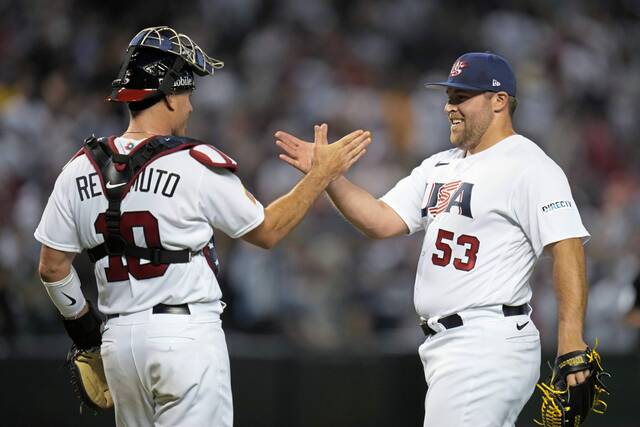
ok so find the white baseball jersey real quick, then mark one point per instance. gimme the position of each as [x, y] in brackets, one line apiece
[487, 218]
[176, 200]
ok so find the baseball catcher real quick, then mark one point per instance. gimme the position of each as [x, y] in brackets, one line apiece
[565, 405]
[157, 198]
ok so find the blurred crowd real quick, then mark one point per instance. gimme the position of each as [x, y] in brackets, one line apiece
[290, 64]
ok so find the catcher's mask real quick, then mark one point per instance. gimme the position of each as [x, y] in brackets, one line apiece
[159, 61]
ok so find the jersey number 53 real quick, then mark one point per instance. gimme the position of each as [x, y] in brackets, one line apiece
[443, 245]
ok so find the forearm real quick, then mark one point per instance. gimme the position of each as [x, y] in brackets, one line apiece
[61, 282]
[286, 212]
[571, 290]
[368, 214]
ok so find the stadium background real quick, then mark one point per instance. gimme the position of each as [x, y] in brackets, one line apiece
[321, 329]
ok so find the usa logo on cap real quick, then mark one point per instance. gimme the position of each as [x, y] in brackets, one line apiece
[481, 71]
[456, 70]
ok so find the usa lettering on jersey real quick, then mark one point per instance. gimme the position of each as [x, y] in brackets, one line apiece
[443, 197]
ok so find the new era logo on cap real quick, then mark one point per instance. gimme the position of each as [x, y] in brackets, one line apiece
[481, 71]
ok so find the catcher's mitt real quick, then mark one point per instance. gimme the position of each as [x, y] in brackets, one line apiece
[88, 379]
[564, 405]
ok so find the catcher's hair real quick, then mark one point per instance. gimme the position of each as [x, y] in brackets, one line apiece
[135, 110]
[136, 107]
[513, 104]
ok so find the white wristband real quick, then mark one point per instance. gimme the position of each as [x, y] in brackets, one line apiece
[66, 294]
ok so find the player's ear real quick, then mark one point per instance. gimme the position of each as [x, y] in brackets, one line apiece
[500, 102]
[170, 101]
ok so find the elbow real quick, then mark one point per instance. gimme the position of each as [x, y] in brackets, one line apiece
[50, 272]
[54, 265]
[374, 234]
[264, 237]
[371, 234]
[379, 237]
[267, 243]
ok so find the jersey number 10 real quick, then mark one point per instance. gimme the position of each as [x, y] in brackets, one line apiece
[144, 220]
[471, 243]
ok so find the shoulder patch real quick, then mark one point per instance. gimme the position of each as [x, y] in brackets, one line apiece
[212, 157]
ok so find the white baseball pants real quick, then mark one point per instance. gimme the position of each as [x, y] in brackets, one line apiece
[169, 369]
[482, 373]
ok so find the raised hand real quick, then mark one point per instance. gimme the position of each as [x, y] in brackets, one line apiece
[332, 160]
[298, 153]
[302, 154]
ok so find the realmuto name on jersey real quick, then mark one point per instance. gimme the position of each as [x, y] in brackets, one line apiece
[150, 180]
[445, 196]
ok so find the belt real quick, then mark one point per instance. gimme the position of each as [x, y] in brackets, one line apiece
[454, 320]
[163, 309]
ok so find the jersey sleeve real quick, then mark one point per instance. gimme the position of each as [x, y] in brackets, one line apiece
[57, 228]
[227, 205]
[544, 207]
[405, 198]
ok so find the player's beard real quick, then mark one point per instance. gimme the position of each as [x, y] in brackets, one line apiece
[473, 130]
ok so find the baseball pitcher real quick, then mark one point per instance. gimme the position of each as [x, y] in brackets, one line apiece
[489, 208]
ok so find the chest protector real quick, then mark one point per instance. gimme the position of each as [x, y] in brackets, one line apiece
[117, 174]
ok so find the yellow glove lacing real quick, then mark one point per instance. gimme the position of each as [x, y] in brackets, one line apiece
[598, 405]
[553, 413]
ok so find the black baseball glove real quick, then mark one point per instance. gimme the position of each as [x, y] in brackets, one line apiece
[564, 405]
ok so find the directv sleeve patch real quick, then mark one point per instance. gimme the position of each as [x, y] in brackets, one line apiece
[563, 204]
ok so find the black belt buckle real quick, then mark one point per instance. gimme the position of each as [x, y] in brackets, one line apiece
[162, 309]
[171, 309]
[517, 310]
[425, 328]
[454, 320]
[448, 322]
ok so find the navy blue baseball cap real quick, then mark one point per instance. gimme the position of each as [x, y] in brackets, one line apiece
[481, 71]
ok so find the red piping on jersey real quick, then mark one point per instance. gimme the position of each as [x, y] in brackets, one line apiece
[206, 160]
[95, 167]
[112, 146]
[79, 153]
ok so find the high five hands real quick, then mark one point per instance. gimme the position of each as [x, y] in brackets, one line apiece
[328, 159]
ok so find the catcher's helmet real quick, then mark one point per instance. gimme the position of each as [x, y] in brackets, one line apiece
[158, 61]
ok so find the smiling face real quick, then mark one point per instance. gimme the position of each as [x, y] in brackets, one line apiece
[470, 114]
